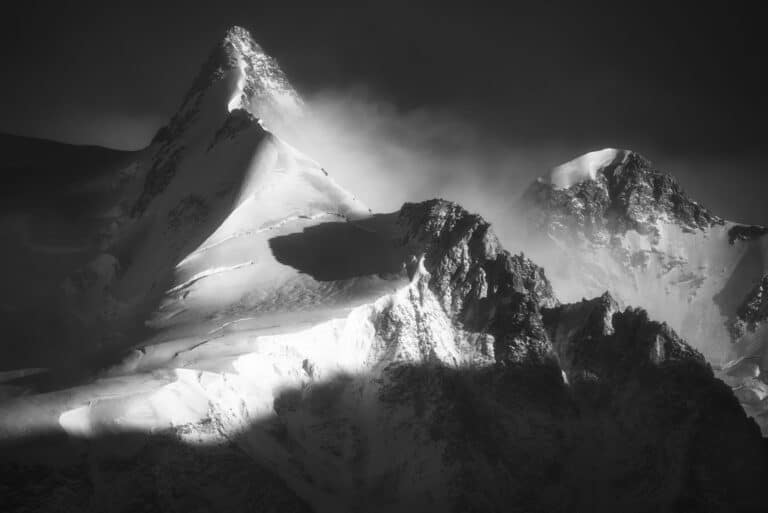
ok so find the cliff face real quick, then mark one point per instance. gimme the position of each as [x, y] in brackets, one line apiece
[468, 387]
[583, 389]
[631, 229]
[485, 287]
[277, 346]
[628, 194]
[754, 310]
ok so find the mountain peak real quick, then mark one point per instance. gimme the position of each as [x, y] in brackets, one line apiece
[238, 74]
[585, 167]
[236, 32]
[611, 191]
[262, 87]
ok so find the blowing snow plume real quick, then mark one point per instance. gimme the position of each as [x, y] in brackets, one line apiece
[389, 156]
[270, 342]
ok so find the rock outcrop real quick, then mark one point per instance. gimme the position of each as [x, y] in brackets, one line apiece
[631, 229]
[627, 194]
[282, 348]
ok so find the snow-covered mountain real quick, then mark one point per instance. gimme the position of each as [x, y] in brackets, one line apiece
[266, 342]
[609, 220]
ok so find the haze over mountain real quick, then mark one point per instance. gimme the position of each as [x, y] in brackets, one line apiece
[223, 326]
[468, 105]
[609, 220]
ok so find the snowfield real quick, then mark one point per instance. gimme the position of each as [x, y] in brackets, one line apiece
[246, 335]
[254, 275]
[607, 230]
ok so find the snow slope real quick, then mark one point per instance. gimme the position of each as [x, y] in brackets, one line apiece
[632, 231]
[390, 362]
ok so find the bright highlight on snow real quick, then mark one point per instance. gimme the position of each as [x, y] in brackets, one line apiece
[389, 362]
[584, 168]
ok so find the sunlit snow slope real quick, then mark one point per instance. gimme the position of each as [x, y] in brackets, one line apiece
[609, 221]
[242, 311]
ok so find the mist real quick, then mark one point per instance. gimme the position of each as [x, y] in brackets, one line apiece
[387, 156]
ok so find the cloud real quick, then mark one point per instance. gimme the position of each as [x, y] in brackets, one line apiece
[387, 156]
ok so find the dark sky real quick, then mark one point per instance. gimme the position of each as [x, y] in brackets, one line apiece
[680, 85]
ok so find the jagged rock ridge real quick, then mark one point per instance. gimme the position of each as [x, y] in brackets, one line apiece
[628, 194]
[359, 362]
[749, 322]
[632, 230]
[487, 288]
[261, 87]
[469, 368]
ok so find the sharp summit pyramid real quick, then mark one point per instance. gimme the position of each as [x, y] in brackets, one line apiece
[243, 334]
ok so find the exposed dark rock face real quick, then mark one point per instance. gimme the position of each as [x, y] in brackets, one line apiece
[631, 229]
[262, 76]
[223, 57]
[240, 58]
[753, 312]
[582, 408]
[601, 392]
[160, 175]
[744, 232]
[629, 371]
[468, 388]
[627, 195]
[237, 121]
[484, 286]
[593, 338]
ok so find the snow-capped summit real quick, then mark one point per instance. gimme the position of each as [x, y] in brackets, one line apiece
[584, 167]
[609, 192]
[262, 88]
[238, 75]
[610, 220]
[201, 203]
[265, 342]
